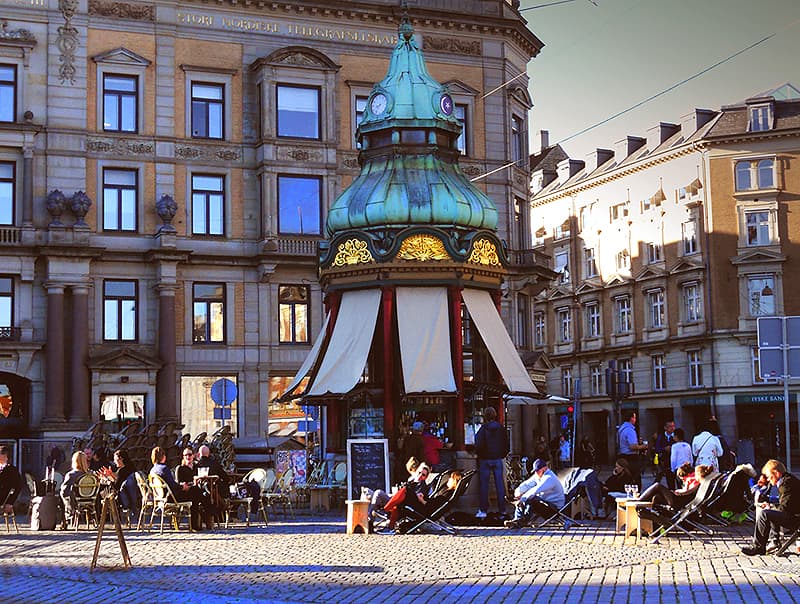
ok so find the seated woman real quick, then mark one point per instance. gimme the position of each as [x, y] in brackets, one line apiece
[122, 480]
[80, 466]
[661, 495]
[614, 486]
[380, 497]
[414, 493]
[186, 471]
[184, 492]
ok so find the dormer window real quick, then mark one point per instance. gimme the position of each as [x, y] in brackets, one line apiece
[760, 118]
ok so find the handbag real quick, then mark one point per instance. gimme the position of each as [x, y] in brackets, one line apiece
[396, 500]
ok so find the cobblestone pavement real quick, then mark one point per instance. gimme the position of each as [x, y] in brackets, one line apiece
[312, 560]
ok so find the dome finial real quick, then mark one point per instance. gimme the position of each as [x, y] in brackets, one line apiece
[406, 30]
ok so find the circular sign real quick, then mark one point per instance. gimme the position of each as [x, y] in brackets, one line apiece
[224, 392]
[378, 104]
[446, 104]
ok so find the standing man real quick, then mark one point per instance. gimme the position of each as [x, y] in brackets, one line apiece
[9, 480]
[629, 446]
[771, 518]
[542, 488]
[663, 448]
[491, 447]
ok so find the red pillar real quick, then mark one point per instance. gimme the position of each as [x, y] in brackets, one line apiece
[332, 409]
[387, 302]
[457, 347]
[501, 411]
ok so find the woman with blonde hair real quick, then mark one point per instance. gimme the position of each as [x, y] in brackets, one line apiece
[80, 466]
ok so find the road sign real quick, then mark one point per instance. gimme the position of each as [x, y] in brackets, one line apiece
[224, 392]
[222, 412]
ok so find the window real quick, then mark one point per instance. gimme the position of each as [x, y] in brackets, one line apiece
[293, 308]
[655, 305]
[564, 325]
[622, 307]
[566, 382]
[659, 372]
[208, 204]
[119, 311]
[208, 309]
[592, 320]
[8, 93]
[119, 103]
[691, 303]
[618, 212]
[520, 210]
[119, 200]
[539, 333]
[761, 295]
[590, 262]
[460, 112]
[208, 110]
[755, 174]
[199, 412]
[298, 112]
[625, 367]
[596, 379]
[623, 260]
[760, 118]
[562, 266]
[539, 235]
[359, 107]
[7, 192]
[299, 205]
[562, 230]
[6, 308]
[689, 237]
[523, 321]
[517, 144]
[654, 253]
[757, 225]
[695, 362]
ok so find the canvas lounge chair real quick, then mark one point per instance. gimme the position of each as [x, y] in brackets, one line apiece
[415, 520]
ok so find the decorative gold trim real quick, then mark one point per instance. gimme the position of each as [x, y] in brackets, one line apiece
[352, 251]
[484, 252]
[423, 248]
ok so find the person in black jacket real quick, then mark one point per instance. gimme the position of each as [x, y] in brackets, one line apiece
[771, 518]
[9, 480]
[491, 448]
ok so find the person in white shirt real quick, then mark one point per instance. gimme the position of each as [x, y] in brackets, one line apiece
[706, 448]
[680, 451]
[542, 486]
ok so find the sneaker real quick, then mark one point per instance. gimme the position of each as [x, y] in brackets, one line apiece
[512, 524]
[480, 514]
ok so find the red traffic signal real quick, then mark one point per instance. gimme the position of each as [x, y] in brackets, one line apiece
[570, 409]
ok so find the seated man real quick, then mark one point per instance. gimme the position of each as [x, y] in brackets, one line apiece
[531, 495]
[10, 481]
[770, 518]
[184, 492]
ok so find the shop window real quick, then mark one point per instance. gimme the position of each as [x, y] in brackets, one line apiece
[298, 112]
[199, 412]
[119, 311]
[208, 204]
[299, 205]
[208, 110]
[120, 194]
[7, 192]
[8, 93]
[120, 103]
[208, 310]
[293, 304]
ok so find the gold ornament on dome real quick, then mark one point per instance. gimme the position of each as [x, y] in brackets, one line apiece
[423, 248]
[484, 252]
[353, 251]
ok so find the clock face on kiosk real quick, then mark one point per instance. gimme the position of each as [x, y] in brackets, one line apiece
[378, 104]
[446, 104]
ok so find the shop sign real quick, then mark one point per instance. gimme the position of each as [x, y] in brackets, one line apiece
[763, 398]
[695, 401]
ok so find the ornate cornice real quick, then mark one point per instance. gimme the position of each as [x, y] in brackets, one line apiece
[123, 10]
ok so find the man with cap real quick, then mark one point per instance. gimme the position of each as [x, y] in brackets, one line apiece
[531, 495]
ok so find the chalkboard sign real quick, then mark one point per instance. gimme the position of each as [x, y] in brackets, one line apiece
[367, 465]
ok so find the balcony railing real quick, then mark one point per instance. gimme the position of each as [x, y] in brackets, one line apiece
[10, 334]
[10, 235]
[530, 258]
[297, 246]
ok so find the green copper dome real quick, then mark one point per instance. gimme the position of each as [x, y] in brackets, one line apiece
[409, 159]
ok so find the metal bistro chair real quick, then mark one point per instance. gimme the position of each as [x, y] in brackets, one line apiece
[10, 517]
[282, 492]
[147, 499]
[164, 503]
[86, 491]
[259, 476]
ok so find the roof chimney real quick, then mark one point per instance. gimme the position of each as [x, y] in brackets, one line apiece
[694, 120]
[568, 168]
[623, 148]
[544, 140]
[660, 133]
[597, 158]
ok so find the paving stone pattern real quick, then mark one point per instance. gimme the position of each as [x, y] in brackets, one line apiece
[312, 560]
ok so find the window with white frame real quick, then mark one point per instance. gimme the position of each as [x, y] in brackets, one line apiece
[293, 303]
[689, 237]
[590, 262]
[692, 308]
[8, 93]
[623, 260]
[755, 174]
[562, 230]
[564, 325]
[298, 111]
[461, 112]
[625, 367]
[517, 142]
[7, 308]
[299, 205]
[760, 118]
[566, 382]
[596, 379]
[659, 365]
[7, 192]
[539, 333]
[761, 295]
[618, 212]
[757, 225]
[120, 103]
[208, 204]
[592, 320]
[120, 193]
[695, 362]
[654, 252]
[562, 266]
[655, 308]
[622, 312]
[208, 313]
[119, 311]
[208, 110]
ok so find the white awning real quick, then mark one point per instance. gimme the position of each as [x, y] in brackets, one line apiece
[490, 325]
[310, 359]
[423, 323]
[525, 400]
[347, 352]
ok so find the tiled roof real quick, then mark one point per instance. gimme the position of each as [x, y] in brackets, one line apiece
[548, 158]
[734, 119]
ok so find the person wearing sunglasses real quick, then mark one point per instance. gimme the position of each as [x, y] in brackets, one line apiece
[186, 471]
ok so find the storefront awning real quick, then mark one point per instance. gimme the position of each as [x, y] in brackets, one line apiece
[308, 363]
[490, 325]
[525, 400]
[347, 352]
[423, 323]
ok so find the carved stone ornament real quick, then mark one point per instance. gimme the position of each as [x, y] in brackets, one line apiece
[56, 203]
[352, 251]
[351, 163]
[67, 41]
[80, 203]
[471, 170]
[123, 10]
[298, 58]
[453, 45]
[166, 208]
[207, 153]
[423, 248]
[18, 35]
[119, 146]
[484, 252]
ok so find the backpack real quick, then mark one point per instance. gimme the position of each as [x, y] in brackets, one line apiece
[727, 461]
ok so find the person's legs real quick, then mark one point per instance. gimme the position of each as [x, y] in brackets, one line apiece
[484, 471]
[499, 485]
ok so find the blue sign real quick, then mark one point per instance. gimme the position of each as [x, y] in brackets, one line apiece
[564, 422]
[222, 412]
[224, 392]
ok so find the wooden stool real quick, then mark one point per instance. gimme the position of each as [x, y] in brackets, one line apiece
[320, 499]
[357, 516]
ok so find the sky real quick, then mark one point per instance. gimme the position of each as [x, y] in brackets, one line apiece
[600, 60]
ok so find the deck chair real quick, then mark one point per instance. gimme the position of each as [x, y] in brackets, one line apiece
[788, 542]
[165, 504]
[686, 518]
[85, 492]
[733, 495]
[414, 519]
